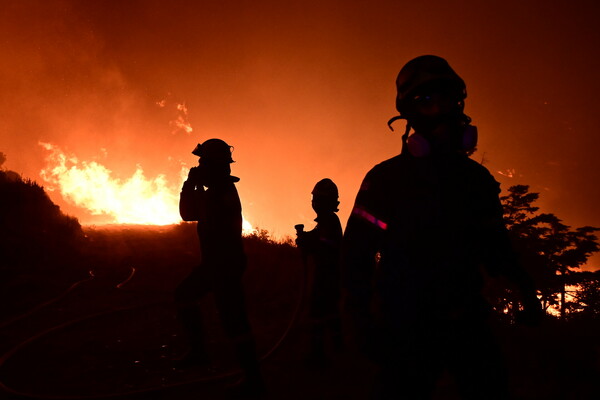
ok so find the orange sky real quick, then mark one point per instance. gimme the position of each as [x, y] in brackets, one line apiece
[302, 89]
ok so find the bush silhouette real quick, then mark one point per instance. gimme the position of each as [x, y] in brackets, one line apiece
[35, 234]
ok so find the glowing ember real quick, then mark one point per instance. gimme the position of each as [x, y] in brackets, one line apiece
[510, 173]
[137, 200]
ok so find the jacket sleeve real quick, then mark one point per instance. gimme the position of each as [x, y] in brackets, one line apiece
[191, 201]
[361, 243]
[323, 241]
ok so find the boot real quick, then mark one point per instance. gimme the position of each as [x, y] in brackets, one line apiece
[317, 357]
[337, 339]
[251, 385]
[191, 320]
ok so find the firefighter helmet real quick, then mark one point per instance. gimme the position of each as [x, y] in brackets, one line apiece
[325, 188]
[423, 71]
[214, 150]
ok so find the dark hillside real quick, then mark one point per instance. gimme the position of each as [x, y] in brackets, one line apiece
[40, 247]
[34, 230]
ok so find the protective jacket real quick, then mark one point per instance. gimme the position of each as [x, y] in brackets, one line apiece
[426, 225]
[323, 244]
[219, 214]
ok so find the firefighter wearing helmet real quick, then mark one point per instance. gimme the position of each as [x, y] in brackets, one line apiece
[322, 246]
[209, 196]
[422, 225]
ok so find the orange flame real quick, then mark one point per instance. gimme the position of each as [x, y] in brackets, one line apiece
[137, 200]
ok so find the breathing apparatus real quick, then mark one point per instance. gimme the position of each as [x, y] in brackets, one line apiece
[428, 82]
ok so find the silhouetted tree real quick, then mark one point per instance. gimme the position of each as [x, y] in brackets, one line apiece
[550, 250]
[586, 298]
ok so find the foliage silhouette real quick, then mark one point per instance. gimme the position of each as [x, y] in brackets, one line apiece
[586, 299]
[551, 251]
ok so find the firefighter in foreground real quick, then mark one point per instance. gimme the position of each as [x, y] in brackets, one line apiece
[322, 246]
[423, 225]
[223, 261]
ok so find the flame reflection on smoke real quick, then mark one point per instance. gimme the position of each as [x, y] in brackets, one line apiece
[137, 200]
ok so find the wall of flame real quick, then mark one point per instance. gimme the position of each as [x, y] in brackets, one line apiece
[134, 200]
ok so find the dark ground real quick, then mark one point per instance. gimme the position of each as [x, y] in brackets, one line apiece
[84, 347]
[101, 341]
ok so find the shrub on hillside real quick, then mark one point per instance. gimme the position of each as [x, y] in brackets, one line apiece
[35, 234]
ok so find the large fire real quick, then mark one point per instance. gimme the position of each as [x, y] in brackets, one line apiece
[136, 200]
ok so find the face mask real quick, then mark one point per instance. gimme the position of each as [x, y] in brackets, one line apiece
[419, 146]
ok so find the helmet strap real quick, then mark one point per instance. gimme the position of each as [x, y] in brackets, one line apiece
[394, 119]
[405, 137]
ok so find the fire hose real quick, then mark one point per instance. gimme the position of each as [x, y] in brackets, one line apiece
[46, 303]
[3, 387]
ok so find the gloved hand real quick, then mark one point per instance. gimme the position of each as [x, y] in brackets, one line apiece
[195, 175]
[300, 238]
[195, 180]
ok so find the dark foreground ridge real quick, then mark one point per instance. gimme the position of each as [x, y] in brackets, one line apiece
[101, 341]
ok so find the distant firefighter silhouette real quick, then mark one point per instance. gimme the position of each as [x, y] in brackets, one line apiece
[423, 224]
[223, 261]
[322, 246]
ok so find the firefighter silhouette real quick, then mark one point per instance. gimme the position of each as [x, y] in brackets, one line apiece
[423, 224]
[322, 246]
[223, 261]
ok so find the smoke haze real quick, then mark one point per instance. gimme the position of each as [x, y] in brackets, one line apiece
[302, 90]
